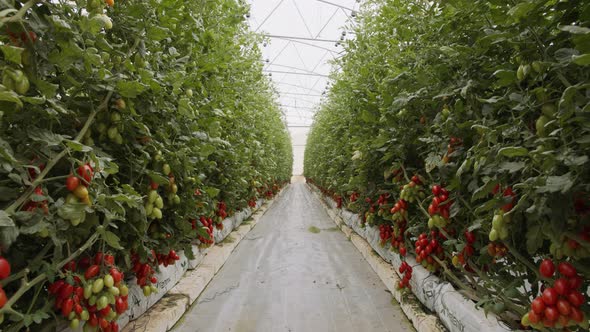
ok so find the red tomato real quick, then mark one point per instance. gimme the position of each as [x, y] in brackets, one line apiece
[564, 307]
[4, 268]
[577, 315]
[547, 268]
[567, 270]
[105, 311]
[3, 298]
[67, 307]
[109, 260]
[120, 306]
[549, 296]
[92, 272]
[86, 173]
[66, 291]
[551, 314]
[98, 258]
[576, 298]
[436, 190]
[93, 320]
[534, 317]
[561, 286]
[78, 309]
[538, 306]
[72, 182]
[103, 323]
[153, 185]
[117, 276]
[114, 327]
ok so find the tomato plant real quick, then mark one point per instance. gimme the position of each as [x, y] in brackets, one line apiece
[487, 100]
[113, 116]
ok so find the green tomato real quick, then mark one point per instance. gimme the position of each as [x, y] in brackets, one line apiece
[497, 222]
[43, 233]
[149, 208]
[113, 132]
[97, 286]
[114, 291]
[152, 196]
[166, 169]
[174, 188]
[74, 323]
[87, 291]
[157, 213]
[115, 117]
[189, 93]
[102, 302]
[84, 315]
[124, 290]
[159, 203]
[548, 110]
[176, 199]
[92, 300]
[493, 235]
[108, 281]
[119, 139]
[147, 291]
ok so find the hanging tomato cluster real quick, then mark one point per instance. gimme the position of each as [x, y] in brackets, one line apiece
[91, 294]
[406, 270]
[440, 207]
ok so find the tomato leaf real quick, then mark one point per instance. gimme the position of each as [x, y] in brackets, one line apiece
[12, 53]
[112, 240]
[513, 151]
[5, 219]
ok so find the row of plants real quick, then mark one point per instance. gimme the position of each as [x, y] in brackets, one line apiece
[128, 131]
[462, 129]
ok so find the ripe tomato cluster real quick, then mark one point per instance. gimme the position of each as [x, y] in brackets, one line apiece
[167, 259]
[145, 275]
[172, 188]
[385, 232]
[508, 195]
[221, 212]
[206, 223]
[97, 297]
[353, 197]
[4, 273]
[338, 200]
[559, 305]
[454, 143]
[497, 249]
[439, 209]
[428, 246]
[399, 211]
[468, 251]
[78, 185]
[398, 237]
[413, 190]
[252, 202]
[32, 206]
[406, 269]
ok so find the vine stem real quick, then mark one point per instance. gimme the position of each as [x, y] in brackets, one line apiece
[21, 12]
[53, 161]
[458, 282]
[518, 256]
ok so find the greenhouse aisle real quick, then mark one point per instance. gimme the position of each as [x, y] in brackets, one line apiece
[295, 271]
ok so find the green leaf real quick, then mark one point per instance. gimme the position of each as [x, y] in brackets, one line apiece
[534, 238]
[11, 96]
[505, 77]
[112, 240]
[484, 190]
[157, 178]
[157, 33]
[574, 29]
[561, 183]
[12, 53]
[130, 89]
[582, 60]
[212, 192]
[77, 146]
[72, 211]
[5, 219]
[512, 167]
[46, 136]
[513, 151]
[368, 116]
[521, 10]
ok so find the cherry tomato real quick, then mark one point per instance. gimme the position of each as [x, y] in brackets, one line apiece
[4, 268]
[549, 296]
[3, 298]
[538, 306]
[109, 260]
[66, 291]
[67, 307]
[93, 320]
[567, 270]
[92, 272]
[576, 298]
[470, 237]
[436, 190]
[561, 286]
[120, 306]
[564, 307]
[86, 173]
[72, 182]
[547, 268]
[575, 282]
[551, 314]
[117, 276]
[577, 315]
[534, 317]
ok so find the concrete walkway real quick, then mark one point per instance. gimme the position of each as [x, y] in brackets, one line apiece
[295, 271]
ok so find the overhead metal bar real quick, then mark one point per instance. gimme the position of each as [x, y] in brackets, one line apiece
[327, 22]
[293, 73]
[336, 5]
[299, 94]
[269, 15]
[303, 38]
[299, 86]
[308, 44]
[301, 107]
[290, 67]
